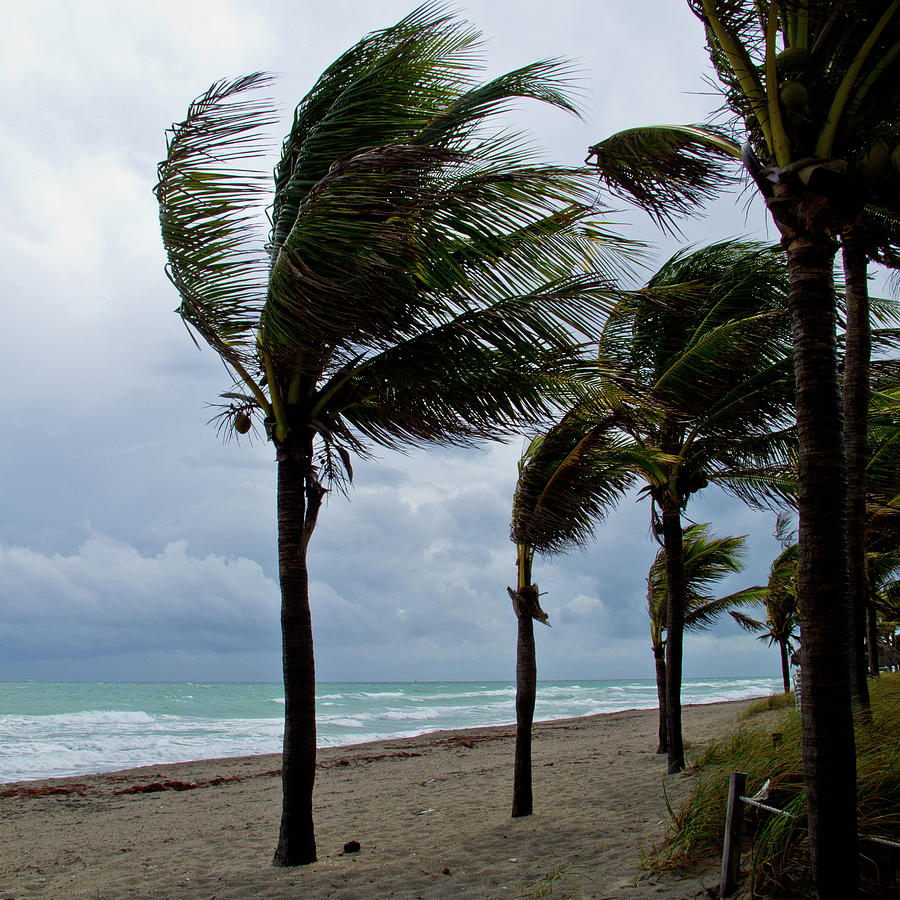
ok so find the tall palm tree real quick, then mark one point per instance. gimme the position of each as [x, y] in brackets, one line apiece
[882, 536]
[421, 283]
[706, 344]
[804, 80]
[707, 559]
[569, 478]
[780, 599]
[874, 234]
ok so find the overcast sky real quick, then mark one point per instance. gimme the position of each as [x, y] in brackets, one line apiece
[134, 544]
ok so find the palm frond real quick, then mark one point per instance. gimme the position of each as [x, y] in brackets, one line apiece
[384, 90]
[209, 211]
[394, 239]
[667, 170]
[570, 479]
[754, 626]
[707, 560]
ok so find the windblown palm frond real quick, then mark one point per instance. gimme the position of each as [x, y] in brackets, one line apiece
[707, 560]
[707, 344]
[570, 478]
[209, 210]
[780, 600]
[667, 170]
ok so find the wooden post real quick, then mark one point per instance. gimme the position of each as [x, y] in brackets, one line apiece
[734, 821]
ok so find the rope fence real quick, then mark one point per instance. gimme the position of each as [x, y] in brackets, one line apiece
[734, 823]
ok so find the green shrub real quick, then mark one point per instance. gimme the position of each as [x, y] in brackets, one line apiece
[778, 856]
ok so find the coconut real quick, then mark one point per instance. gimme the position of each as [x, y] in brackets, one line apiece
[242, 423]
[793, 95]
[877, 162]
[792, 58]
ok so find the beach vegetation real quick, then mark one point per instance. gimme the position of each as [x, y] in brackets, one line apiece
[777, 859]
[766, 704]
[808, 163]
[427, 279]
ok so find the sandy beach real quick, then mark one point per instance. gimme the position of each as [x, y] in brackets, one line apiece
[431, 815]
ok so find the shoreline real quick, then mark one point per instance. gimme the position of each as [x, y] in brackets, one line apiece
[508, 728]
[431, 813]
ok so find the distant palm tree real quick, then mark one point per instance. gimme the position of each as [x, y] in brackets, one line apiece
[782, 619]
[424, 281]
[707, 559]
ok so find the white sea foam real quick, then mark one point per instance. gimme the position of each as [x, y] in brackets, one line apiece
[72, 729]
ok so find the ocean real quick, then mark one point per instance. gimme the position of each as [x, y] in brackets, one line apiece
[51, 729]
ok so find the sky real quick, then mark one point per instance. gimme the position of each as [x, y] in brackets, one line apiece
[134, 543]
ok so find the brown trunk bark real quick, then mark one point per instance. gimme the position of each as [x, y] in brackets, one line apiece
[659, 658]
[299, 498]
[673, 543]
[827, 730]
[785, 666]
[856, 414]
[526, 691]
[871, 621]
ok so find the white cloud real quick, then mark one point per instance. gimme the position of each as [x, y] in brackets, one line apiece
[104, 409]
[107, 598]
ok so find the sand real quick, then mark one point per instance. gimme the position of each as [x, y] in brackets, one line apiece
[431, 815]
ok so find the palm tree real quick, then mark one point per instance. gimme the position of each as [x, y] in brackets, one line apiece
[882, 500]
[691, 385]
[706, 346]
[420, 284]
[781, 622]
[875, 234]
[569, 478]
[806, 80]
[707, 559]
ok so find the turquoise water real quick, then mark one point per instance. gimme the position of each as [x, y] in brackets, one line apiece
[50, 729]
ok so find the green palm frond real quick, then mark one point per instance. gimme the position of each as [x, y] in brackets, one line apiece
[209, 211]
[703, 617]
[403, 223]
[570, 478]
[754, 626]
[667, 170]
[383, 90]
[707, 560]
[420, 232]
[707, 345]
[548, 81]
[779, 598]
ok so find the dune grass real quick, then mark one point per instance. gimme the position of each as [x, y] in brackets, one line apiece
[776, 847]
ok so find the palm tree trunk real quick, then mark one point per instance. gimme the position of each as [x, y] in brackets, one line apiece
[526, 680]
[659, 658]
[827, 732]
[871, 621]
[785, 666]
[526, 691]
[673, 543]
[856, 414]
[299, 499]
